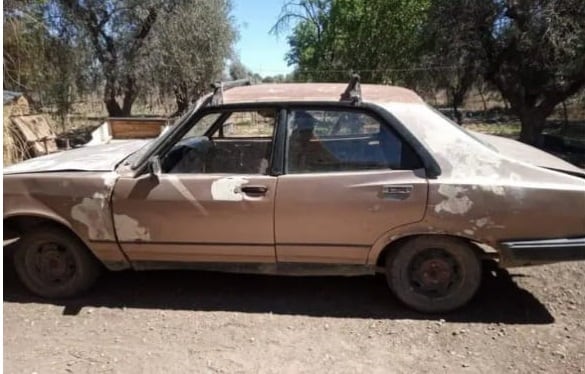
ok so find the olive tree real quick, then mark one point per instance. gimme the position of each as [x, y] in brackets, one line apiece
[189, 48]
[532, 51]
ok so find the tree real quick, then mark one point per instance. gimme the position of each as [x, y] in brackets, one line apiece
[115, 32]
[121, 48]
[333, 37]
[40, 61]
[446, 45]
[536, 57]
[532, 51]
[237, 70]
[24, 45]
[175, 46]
[189, 47]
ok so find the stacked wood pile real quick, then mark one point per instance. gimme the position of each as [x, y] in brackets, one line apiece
[25, 135]
[14, 146]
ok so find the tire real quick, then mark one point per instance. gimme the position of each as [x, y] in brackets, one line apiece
[433, 274]
[53, 263]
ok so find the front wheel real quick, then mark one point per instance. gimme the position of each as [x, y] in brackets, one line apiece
[433, 274]
[53, 263]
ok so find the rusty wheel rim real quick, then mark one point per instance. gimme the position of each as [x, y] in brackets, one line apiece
[434, 272]
[52, 264]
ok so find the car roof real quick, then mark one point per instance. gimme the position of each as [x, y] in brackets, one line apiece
[285, 92]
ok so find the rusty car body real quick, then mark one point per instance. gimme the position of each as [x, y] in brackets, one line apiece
[299, 179]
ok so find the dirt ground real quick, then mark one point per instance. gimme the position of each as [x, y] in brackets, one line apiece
[526, 320]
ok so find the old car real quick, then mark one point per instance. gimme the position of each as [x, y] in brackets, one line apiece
[298, 179]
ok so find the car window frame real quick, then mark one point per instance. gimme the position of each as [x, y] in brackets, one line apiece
[431, 165]
[177, 135]
[373, 112]
[277, 162]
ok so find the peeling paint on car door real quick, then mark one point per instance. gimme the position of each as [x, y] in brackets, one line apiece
[195, 218]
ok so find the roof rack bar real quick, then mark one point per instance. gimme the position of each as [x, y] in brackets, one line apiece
[353, 91]
[219, 87]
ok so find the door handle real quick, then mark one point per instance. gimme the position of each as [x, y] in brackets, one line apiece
[396, 192]
[254, 190]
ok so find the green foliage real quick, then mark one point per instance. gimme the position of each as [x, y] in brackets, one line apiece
[188, 48]
[533, 52]
[333, 37]
[39, 61]
[62, 48]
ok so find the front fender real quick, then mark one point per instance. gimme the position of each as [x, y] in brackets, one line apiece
[79, 201]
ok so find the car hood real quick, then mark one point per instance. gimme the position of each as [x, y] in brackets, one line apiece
[525, 153]
[104, 157]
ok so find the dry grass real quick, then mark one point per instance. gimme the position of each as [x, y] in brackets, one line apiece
[505, 129]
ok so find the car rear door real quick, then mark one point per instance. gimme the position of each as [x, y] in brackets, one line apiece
[348, 179]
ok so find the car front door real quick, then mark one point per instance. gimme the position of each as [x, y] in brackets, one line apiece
[348, 179]
[213, 200]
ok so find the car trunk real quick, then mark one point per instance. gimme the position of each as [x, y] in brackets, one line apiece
[526, 153]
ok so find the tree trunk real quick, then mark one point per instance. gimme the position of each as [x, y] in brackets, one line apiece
[113, 107]
[483, 100]
[130, 94]
[181, 98]
[457, 114]
[456, 102]
[532, 123]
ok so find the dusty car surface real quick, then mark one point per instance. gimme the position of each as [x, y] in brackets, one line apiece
[298, 179]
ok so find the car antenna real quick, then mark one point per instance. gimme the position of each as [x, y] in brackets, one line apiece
[219, 87]
[353, 91]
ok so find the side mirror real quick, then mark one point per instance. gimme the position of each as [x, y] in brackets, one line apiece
[154, 166]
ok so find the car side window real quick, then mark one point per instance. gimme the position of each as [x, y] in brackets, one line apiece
[343, 140]
[240, 144]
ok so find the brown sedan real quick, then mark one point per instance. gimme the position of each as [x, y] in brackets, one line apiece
[298, 179]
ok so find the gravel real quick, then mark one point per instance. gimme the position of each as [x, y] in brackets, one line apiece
[524, 320]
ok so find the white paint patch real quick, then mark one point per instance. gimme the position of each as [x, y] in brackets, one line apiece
[469, 231]
[498, 190]
[481, 222]
[456, 201]
[110, 179]
[128, 229]
[228, 189]
[92, 212]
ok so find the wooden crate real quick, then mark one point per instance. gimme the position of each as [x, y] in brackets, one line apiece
[136, 128]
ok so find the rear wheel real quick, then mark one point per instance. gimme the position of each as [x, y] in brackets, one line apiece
[53, 263]
[433, 274]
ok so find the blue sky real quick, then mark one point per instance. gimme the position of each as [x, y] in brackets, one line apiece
[260, 51]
